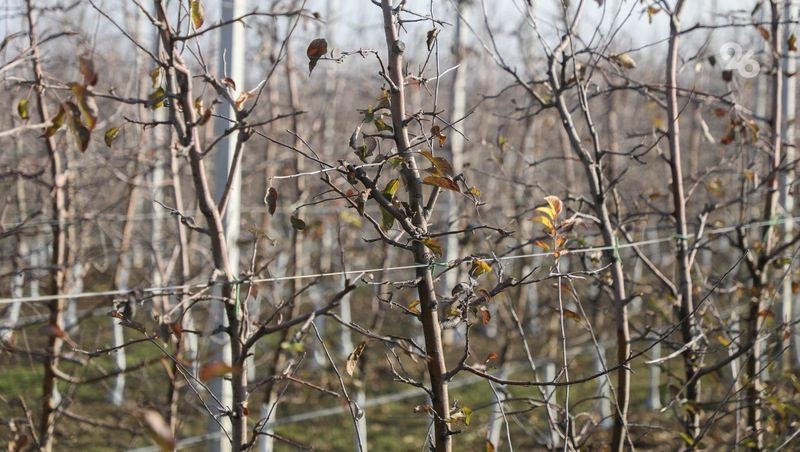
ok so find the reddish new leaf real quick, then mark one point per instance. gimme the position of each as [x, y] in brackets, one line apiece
[215, 369]
[441, 182]
[486, 316]
[316, 50]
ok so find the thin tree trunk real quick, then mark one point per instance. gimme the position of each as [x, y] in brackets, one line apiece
[183, 117]
[686, 310]
[50, 395]
[592, 164]
[758, 303]
[425, 287]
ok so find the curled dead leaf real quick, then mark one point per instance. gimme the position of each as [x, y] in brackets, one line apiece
[316, 50]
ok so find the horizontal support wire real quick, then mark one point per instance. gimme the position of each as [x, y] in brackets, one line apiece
[164, 290]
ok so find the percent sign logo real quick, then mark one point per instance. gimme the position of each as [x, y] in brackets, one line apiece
[733, 58]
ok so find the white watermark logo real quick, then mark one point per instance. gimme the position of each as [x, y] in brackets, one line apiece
[734, 59]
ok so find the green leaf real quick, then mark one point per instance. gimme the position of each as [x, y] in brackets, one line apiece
[156, 98]
[543, 220]
[369, 115]
[467, 415]
[687, 439]
[387, 219]
[502, 141]
[382, 126]
[111, 135]
[463, 415]
[296, 347]
[57, 123]
[395, 161]
[624, 60]
[547, 211]
[198, 13]
[350, 218]
[22, 109]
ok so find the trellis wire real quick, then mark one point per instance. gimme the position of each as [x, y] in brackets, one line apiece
[169, 289]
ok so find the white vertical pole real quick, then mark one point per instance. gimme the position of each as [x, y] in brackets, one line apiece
[550, 399]
[75, 284]
[38, 257]
[230, 64]
[496, 417]
[18, 281]
[603, 390]
[790, 304]
[17, 285]
[654, 394]
[361, 434]
[458, 96]
[117, 395]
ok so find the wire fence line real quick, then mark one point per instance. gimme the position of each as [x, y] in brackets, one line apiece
[165, 290]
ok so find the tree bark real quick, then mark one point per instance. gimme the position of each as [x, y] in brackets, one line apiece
[686, 307]
[425, 287]
[50, 395]
[592, 164]
[755, 321]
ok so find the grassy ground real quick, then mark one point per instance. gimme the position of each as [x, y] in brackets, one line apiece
[393, 426]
